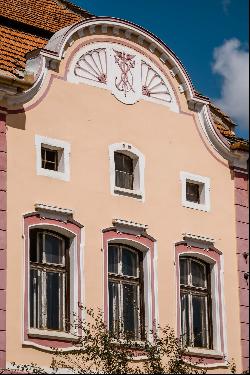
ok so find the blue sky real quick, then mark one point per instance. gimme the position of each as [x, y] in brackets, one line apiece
[209, 37]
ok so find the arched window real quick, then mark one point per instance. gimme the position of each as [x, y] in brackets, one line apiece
[196, 307]
[125, 287]
[126, 170]
[49, 280]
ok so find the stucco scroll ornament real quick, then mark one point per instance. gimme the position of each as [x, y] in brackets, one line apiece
[153, 85]
[126, 63]
[93, 66]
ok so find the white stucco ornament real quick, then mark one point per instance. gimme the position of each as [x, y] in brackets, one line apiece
[129, 75]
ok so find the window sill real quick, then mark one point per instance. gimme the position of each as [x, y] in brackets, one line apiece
[200, 352]
[127, 192]
[195, 206]
[51, 335]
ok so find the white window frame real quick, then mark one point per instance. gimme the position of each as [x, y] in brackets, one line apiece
[204, 182]
[215, 290]
[147, 284]
[73, 270]
[54, 144]
[126, 148]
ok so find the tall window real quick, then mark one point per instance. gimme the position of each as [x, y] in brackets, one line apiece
[196, 325]
[124, 171]
[125, 284]
[49, 280]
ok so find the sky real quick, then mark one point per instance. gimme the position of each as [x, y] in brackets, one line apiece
[210, 37]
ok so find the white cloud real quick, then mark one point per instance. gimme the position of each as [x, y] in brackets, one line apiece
[231, 61]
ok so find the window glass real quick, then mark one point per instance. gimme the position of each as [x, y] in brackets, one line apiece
[192, 192]
[185, 331]
[114, 311]
[53, 249]
[125, 292]
[130, 310]
[183, 271]
[195, 303]
[199, 321]
[48, 281]
[123, 171]
[113, 259]
[129, 262]
[198, 272]
[49, 159]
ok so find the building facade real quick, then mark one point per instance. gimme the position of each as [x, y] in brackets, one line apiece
[118, 182]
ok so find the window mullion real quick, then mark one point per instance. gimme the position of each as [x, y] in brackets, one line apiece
[121, 320]
[191, 331]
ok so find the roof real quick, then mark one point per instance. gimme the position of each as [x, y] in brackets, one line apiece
[50, 15]
[13, 47]
[26, 25]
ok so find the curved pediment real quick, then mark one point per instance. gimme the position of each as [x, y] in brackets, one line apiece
[129, 75]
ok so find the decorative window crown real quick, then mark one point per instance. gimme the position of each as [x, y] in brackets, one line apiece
[129, 75]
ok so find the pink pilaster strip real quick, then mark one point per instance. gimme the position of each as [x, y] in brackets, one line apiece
[242, 234]
[3, 237]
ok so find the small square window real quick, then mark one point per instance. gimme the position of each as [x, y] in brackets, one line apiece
[195, 191]
[52, 158]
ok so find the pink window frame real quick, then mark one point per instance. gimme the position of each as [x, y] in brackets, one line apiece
[213, 256]
[147, 242]
[34, 220]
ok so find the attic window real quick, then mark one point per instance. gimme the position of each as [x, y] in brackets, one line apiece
[52, 158]
[195, 191]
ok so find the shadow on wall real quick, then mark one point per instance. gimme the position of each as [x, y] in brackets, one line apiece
[17, 120]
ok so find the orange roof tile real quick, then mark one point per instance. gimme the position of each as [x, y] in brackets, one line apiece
[13, 47]
[50, 15]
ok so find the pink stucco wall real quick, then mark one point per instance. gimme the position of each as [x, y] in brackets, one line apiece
[3, 237]
[242, 232]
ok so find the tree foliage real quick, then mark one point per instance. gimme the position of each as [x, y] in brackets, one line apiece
[96, 351]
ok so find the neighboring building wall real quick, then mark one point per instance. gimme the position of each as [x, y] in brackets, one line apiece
[3, 236]
[242, 233]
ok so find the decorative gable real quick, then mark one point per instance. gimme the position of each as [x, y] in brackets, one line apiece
[129, 75]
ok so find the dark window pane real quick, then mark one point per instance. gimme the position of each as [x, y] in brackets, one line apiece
[198, 272]
[118, 161]
[127, 164]
[199, 321]
[33, 246]
[54, 300]
[113, 259]
[34, 295]
[113, 308]
[192, 192]
[54, 251]
[124, 171]
[184, 271]
[129, 263]
[130, 310]
[185, 321]
[49, 159]
[124, 180]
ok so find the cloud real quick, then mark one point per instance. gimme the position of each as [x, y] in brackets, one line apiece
[231, 62]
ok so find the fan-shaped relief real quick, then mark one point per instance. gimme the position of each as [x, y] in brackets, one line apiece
[153, 86]
[92, 66]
